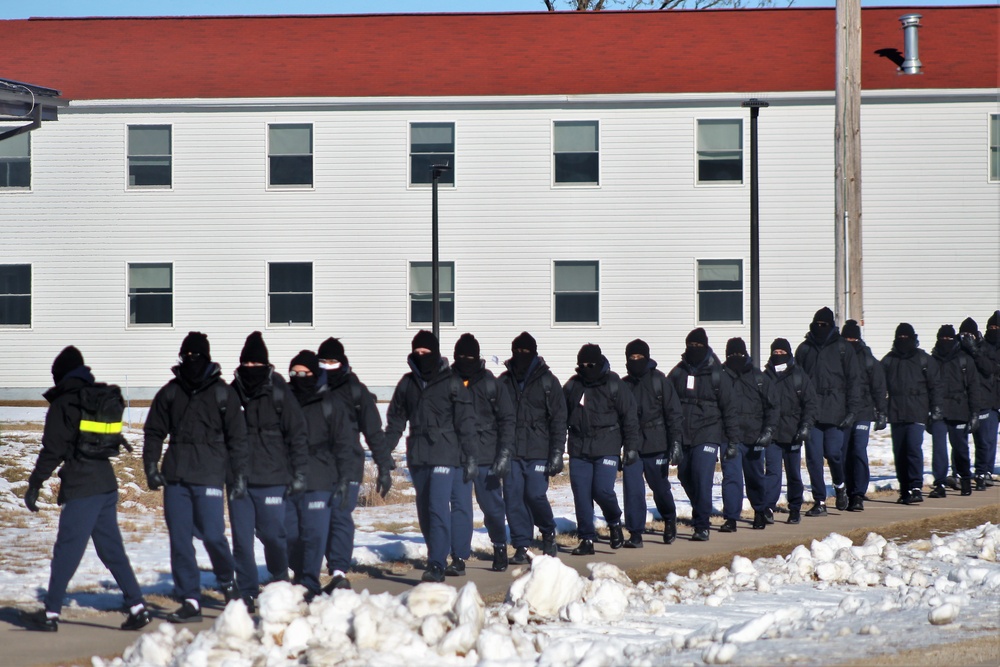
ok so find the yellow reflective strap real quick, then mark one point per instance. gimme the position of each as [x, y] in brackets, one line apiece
[100, 427]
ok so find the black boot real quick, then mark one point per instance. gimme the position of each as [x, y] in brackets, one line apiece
[759, 521]
[39, 621]
[456, 569]
[499, 558]
[952, 482]
[585, 548]
[138, 620]
[617, 537]
[857, 504]
[520, 556]
[700, 535]
[634, 540]
[938, 492]
[670, 531]
[549, 546]
[728, 527]
[980, 482]
[794, 516]
[916, 496]
[966, 483]
[841, 498]
[818, 509]
[187, 613]
[769, 516]
[229, 592]
[433, 573]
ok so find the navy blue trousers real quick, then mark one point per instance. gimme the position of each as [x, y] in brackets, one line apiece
[260, 512]
[489, 496]
[789, 455]
[433, 485]
[908, 454]
[524, 495]
[340, 543]
[655, 468]
[187, 508]
[856, 471]
[80, 520]
[747, 466]
[826, 441]
[307, 524]
[955, 432]
[461, 517]
[985, 438]
[697, 475]
[592, 480]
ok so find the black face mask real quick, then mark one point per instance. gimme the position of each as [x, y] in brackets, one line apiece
[820, 331]
[193, 368]
[905, 346]
[695, 355]
[466, 367]
[590, 374]
[992, 336]
[637, 367]
[779, 359]
[738, 363]
[520, 362]
[253, 377]
[946, 347]
[426, 364]
[304, 386]
[858, 345]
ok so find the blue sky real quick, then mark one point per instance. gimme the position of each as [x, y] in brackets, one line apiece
[20, 9]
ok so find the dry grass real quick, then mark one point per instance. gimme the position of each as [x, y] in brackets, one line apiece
[369, 497]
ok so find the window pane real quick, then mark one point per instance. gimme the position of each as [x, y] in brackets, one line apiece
[421, 309]
[432, 137]
[575, 136]
[720, 168]
[720, 135]
[290, 277]
[576, 167]
[421, 277]
[720, 274]
[150, 309]
[15, 173]
[579, 308]
[290, 140]
[720, 290]
[15, 294]
[995, 147]
[149, 140]
[421, 163]
[150, 278]
[291, 308]
[16, 146]
[576, 276]
[720, 306]
[15, 310]
[149, 171]
[15, 279]
[291, 170]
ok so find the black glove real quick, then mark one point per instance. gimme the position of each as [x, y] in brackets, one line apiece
[880, 421]
[555, 464]
[766, 436]
[340, 495]
[31, 497]
[501, 464]
[848, 421]
[802, 435]
[383, 483]
[631, 456]
[298, 484]
[969, 343]
[973, 422]
[469, 470]
[730, 452]
[676, 453]
[154, 478]
[936, 414]
[238, 489]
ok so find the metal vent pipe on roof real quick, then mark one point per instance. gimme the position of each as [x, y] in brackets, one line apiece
[911, 61]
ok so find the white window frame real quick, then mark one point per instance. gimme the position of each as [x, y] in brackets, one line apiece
[410, 324]
[31, 296]
[128, 296]
[552, 153]
[31, 165]
[268, 324]
[743, 293]
[993, 148]
[552, 292]
[697, 155]
[451, 163]
[128, 157]
[283, 187]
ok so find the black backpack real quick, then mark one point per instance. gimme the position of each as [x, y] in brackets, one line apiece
[100, 432]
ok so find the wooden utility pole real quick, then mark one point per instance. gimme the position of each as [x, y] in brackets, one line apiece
[848, 284]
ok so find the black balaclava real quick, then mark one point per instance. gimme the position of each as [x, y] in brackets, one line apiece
[637, 367]
[304, 387]
[947, 343]
[779, 359]
[905, 341]
[696, 355]
[992, 335]
[822, 325]
[333, 350]
[737, 357]
[196, 357]
[254, 350]
[590, 363]
[426, 364]
[465, 347]
[520, 362]
[852, 330]
[68, 360]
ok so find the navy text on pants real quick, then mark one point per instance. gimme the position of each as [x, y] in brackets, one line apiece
[307, 523]
[433, 485]
[262, 512]
[826, 441]
[340, 543]
[655, 468]
[527, 505]
[190, 507]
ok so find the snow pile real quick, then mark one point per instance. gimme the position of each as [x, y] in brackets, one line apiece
[865, 597]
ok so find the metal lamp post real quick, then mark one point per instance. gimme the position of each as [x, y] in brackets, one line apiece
[755, 106]
[436, 171]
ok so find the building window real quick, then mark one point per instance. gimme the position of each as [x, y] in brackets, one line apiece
[577, 293]
[432, 144]
[720, 151]
[576, 160]
[290, 155]
[150, 294]
[720, 290]
[15, 295]
[149, 156]
[15, 161]
[422, 292]
[994, 147]
[290, 293]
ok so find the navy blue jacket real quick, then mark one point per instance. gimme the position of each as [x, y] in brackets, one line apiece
[796, 399]
[754, 401]
[833, 367]
[494, 415]
[914, 385]
[329, 438]
[276, 434]
[540, 409]
[661, 420]
[601, 422]
[705, 394]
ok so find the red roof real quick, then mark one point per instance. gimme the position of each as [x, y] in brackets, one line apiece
[532, 53]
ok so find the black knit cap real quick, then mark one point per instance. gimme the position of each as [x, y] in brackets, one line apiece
[426, 339]
[851, 330]
[524, 342]
[946, 331]
[332, 348]
[638, 346]
[254, 349]
[994, 319]
[969, 325]
[824, 314]
[697, 336]
[196, 343]
[68, 360]
[736, 346]
[306, 358]
[589, 354]
[781, 344]
[467, 346]
[905, 329]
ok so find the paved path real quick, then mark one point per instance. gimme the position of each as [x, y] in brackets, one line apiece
[82, 634]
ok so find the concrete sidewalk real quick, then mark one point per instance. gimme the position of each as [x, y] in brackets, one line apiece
[85, 634]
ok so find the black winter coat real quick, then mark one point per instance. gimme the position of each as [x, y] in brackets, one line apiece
[329, 437]
[357, 404]
[988, 365]
[705, 394]
[961, 392]
[754, 401]
[540, 412]
[796, 398]
[833, 367]
[79, 477]
[601, 416]
[440, 415]
[914, 386]
[208, 435]
[661, 420]
[494, 415]
[873, 392]
[276, 432]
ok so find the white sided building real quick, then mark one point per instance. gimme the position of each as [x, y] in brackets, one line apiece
[234, 174]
